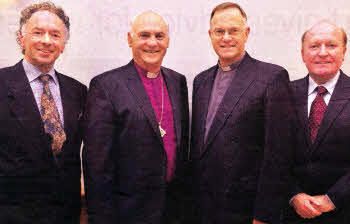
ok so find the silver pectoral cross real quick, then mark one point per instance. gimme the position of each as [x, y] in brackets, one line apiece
[162, 131]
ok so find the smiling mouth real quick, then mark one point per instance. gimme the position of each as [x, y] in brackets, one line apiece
[322, 63]
[229, 46]
[45, 51]
[150, 52]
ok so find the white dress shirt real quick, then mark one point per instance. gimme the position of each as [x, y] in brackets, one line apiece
[329, 85]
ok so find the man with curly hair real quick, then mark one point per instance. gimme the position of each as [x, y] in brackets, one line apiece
[40, 136]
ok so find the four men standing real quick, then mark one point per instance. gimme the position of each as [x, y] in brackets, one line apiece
[249, 157]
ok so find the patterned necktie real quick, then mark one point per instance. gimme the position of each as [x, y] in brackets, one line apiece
[51, 117]
[318, 107]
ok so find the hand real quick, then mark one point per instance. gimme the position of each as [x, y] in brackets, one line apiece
[306, 206]
[323, 203]
[258, 222]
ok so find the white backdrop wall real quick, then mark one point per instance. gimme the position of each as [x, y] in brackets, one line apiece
[99, 42]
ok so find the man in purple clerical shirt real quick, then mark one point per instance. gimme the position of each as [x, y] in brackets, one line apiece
[136, 134]
[240, 112]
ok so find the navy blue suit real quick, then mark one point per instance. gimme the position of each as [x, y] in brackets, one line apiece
[323, 167]
[124, 157]
[34, 186]
[247, 124]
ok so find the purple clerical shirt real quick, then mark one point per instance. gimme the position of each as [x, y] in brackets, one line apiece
[153, 88]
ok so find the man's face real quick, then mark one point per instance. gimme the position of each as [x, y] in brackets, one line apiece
[323, 51]
[43, 39]
[149, 41]
[228, 33]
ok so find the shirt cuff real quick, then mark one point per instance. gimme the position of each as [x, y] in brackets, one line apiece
[330, 200]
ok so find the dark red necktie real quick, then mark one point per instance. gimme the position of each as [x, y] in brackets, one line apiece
[318, 107]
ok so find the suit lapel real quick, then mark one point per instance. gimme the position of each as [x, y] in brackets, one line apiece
[244, 77]
[173, 88]
[339, 98]
[22, 102]
[138, 91]
[70, 106]
[301, 100]
[202, 103]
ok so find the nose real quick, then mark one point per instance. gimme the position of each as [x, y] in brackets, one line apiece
[152, 41]
[323, 51]
[46, 38]
[227, 36]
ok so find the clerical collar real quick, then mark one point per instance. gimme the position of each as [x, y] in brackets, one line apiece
[145, 73]
[231, 66]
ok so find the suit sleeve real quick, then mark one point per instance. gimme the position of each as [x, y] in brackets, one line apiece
[185, 119]
[98, 165]
[275, 177]
[339, 193]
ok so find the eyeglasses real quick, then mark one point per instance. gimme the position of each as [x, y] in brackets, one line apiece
[218, 32]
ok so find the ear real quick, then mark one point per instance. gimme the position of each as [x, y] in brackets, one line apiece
[129, 39]
[247, 31]
[64, 45]
[302, 53]
[344, 51]
[209, 32]
[20, 39]
[168, 42]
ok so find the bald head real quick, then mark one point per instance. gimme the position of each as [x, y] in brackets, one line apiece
[323, 50]
[149, 40]
[148, 17]
[326, 26]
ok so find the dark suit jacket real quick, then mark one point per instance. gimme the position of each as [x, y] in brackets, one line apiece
[34, 187]
[124, 158]
[324, 167]
[248, 122]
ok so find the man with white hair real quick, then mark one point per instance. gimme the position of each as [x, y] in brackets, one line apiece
[40, 134]
[136, 134]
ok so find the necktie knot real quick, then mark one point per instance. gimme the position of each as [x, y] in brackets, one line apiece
[321, 90]
[44, 78]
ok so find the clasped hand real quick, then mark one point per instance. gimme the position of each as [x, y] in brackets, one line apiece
[311, 206]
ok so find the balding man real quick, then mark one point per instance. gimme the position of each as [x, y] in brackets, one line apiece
[321, 161]
[322, 169]
[136, 134]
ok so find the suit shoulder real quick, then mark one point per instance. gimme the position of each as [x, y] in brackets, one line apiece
[202, 75]
[173, 73]
[297, 82]
[73, 82]
[268, 72]
[269, 68]
[6, 71]
[113, 74]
